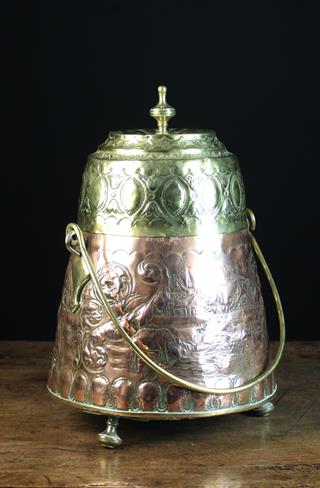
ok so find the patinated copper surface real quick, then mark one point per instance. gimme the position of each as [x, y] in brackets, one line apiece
[193, 303]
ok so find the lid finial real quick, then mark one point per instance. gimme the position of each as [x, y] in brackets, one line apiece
[162, 112]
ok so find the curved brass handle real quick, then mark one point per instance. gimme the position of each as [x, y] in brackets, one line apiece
[74, 237]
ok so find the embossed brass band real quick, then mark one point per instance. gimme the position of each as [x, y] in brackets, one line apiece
[73, 230]
[161, 185]
[175, 198]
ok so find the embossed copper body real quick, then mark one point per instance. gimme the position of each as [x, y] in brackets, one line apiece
[193, 302]
[161, 312]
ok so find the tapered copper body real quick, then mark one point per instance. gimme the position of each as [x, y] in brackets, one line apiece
[193, 303]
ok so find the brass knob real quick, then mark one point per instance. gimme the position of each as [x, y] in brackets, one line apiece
[162, 112]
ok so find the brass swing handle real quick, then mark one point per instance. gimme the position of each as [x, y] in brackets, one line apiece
[74, 237]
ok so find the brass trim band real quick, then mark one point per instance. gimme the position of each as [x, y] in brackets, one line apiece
[167, 199]
[161, 415]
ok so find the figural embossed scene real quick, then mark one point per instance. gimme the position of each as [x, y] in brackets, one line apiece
[161, 313]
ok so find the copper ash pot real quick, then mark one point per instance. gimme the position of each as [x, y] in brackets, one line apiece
[161, 313]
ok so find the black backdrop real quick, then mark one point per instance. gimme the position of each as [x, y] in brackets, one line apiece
[249, 70]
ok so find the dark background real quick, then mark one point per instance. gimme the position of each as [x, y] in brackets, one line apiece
[249, 70]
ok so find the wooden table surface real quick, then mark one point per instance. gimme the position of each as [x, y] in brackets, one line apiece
[45, 443]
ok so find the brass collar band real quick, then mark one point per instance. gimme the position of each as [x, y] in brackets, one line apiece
[162, 198]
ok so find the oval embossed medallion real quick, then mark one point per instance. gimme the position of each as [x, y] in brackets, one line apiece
[131, 195]
[236, 192]
[211, 195]
[98, 193]
[174, 197]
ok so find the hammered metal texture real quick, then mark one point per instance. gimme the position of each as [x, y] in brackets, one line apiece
[192, 303]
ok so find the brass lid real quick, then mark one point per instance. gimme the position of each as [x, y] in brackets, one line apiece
[161, 143]
[163, 182]
[147, 144]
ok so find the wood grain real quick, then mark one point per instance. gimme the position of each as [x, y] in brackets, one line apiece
[44, 443]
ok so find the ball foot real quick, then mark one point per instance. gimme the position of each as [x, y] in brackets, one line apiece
[262, 411]
[109, 437]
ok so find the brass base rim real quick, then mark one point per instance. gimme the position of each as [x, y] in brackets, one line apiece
[151, 415]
